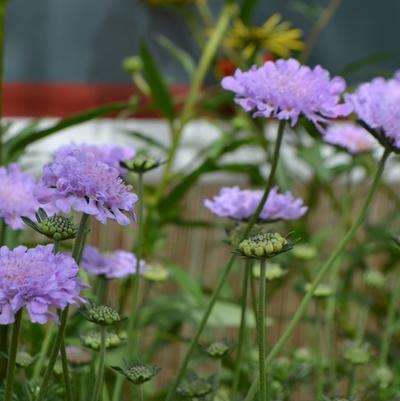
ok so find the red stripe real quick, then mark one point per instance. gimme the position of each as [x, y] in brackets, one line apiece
[64, 99]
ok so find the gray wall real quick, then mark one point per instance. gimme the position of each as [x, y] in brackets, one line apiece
[85, 40]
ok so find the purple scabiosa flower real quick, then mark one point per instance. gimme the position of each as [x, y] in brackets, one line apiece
[118, 264]
[37, 279]
[239, 204]
[285, 90]
[349, 136]
[81, 182]
[16, 196]
[106, 153]
[397, 75]
[377, 105]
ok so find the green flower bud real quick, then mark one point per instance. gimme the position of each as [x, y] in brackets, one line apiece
[264, 245]
[23, 359]
[322, 290]
[138, 373]
[374, 279]
[142, 163]
[218, 349]
[194, 387]
[104, 315]
[357, 354]
[92, 340]
[57, 369]
[57, 227]
[383, 376]
[155, 273]
[132, 65]
[302, 355]
[273, 272]
[305, 251]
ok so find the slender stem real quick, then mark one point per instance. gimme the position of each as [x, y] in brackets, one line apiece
[217, 379]
[242, 329]
[141, 392]
[352, 381]
[4, 329]
[261, 332]
[390, 319]
[100, 373]
[43, 353]
[320, 349]
[253, 295]
[134, 309]
[76, 254]
[319, 27]
[56, 246]
[64, 362]
[228, 267]
[324, 269]
[12, 356]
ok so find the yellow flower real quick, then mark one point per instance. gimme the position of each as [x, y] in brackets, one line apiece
[274, 35]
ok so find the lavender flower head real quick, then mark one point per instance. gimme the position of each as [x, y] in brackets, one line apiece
[16, 196]
[119, 264]
[285, 90]
[81, 182]
[239, 204]
[36, 279]
[349, 136]
[377, 104]
[107, 153]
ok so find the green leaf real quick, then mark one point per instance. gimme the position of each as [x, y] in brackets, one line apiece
[159, 90]
[186, 282]
[312, 155]
[247, 9]
[16, 145]
[184, 58]
[143, 137]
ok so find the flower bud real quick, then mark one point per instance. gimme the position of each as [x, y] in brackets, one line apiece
[374, 279]
[273, 271]
[132, 65]
[263, 246]
[138, 373]
[194, 387]
[142, 163]
[383, 376]
[56, 227]
[218, 349]
[103, 315]
[77, 356]
[322, 290]
[357, 354]
[92, 340]
[23, 359]
[155, 273]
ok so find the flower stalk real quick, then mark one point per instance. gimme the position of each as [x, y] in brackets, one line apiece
[228, 266]
[76, 254]
[100, 374]
[8, 395]
[324, 269]
[261, 333]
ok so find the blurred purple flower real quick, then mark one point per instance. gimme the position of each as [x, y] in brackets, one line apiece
[36, 279]
[377, 104]
[285, 90]
[397, 75]
[349, 136]
[118, 264]
[16, 196]
[240, 204]
[106, 153]
[81, 182]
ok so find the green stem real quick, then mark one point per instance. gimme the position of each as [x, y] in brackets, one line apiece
[4, 329]
[12, 356]
[64, 362]
[254, 301]
[217, 379]
[324, 269]
[261, 332]
[228, 267]
[76, 254]
[100, 374]
[134, 309]
[141, 392]
[43, 353]
[352, 382]
[320, 349]
[242, 329]
[390, 319]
